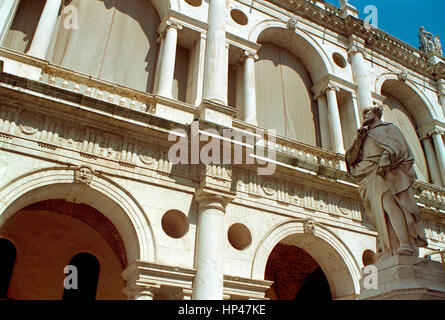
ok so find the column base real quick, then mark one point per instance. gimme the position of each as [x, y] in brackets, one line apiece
[406, 278]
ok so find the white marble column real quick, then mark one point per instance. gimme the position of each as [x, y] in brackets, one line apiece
[196, 72]
[361, 78]
[334, 120]
[323, 119]
[167, 60]
[249, 89]
[8, 9]
[216, 63]
[45, 29]
[209, 251]
[441, 94]
[440, 151]
[357, 113]
[432, 161]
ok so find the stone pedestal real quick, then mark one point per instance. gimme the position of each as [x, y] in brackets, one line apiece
[406, 278]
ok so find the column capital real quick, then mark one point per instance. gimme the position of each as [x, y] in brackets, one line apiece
[209, 199]
[172, 24]
[354, 49]
[331, 87]
[250, 54]
[433, 128]
[164, 27]
[355, 45]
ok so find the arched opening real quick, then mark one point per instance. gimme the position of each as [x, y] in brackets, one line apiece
[295, 275]
[48, 234]
[408, 112]
[86, 277]
[297, 253]
[284, 98]
[111, 40]
[288, 66]
[8, 254]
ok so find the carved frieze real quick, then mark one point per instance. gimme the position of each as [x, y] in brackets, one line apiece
[288, 193]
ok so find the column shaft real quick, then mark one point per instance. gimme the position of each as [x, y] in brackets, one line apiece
[167, 62]
[323, 119]
[45, 28]
[209, 254]
[8, 8]
[334, 120]
[431, 159]
[249, 90]
[216, 61]
[440, 151]
[360, 74]
[196, 74]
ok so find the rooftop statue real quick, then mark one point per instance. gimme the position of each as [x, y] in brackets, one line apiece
[429, 43]
[382, 163]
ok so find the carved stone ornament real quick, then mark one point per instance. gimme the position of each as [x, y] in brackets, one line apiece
[84, 175]
[269, 187]
[309, 226]
[292, 24]
[30, 123]
[403, 76]
[147, 156]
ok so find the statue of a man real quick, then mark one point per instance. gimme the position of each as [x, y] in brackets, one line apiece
[382, 162]
[426, 40]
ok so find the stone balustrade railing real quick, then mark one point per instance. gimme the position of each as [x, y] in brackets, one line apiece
[295, 150]
[430, 195]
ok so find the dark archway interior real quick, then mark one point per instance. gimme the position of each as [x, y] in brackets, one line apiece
[86, 277]
[8, 254]
[296, 275]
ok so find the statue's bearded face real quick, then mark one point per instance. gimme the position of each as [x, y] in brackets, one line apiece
[368, 117]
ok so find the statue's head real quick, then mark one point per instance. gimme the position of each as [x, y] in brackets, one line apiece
[372, 114]
[422, 28]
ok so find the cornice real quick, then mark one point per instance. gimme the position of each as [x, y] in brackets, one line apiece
[375, 39]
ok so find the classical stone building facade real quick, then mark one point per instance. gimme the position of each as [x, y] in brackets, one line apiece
[91, 90]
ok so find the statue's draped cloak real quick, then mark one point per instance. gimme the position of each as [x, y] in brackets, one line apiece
[399, 179]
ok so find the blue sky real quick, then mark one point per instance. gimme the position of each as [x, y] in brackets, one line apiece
[402, 18]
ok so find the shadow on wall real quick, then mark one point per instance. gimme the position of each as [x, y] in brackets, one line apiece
[115, 40]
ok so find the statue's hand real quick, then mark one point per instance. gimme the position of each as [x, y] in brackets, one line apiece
[384, 165]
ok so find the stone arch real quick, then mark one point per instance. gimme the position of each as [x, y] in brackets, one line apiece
[333, 256]
[101, 193]
[409, 89]
[316, 59]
